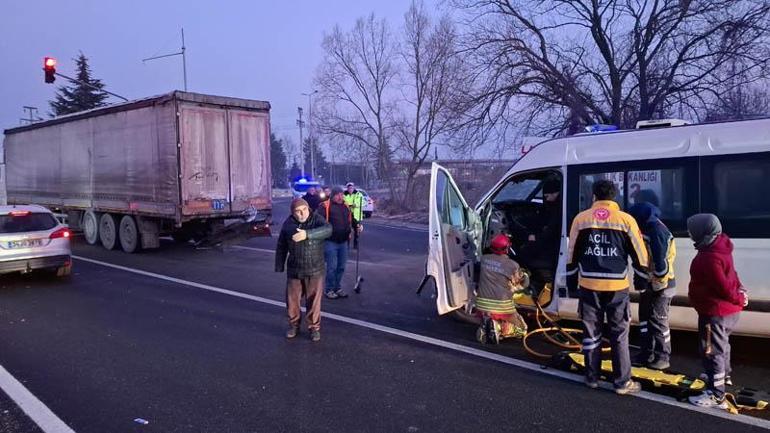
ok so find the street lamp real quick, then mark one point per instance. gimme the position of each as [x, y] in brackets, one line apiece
[310, 130]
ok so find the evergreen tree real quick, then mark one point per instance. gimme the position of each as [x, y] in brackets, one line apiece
[294, 172]
[278, 162]
[79, 96]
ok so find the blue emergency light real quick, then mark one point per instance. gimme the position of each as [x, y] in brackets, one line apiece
[600, 127]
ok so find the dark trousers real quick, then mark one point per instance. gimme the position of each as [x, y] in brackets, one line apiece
[655, 335]
[594, 306]
[311, 288]
[714, 333]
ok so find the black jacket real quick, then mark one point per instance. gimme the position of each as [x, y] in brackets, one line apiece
[312, 201]
[306, 258]
[340, 218]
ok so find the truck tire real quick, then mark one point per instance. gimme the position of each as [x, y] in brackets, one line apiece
[108, 231]
[91, 227]
[129, 236]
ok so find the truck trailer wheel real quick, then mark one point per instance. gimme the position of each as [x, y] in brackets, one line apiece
[108, 232]
[129, 234]
[91, 227]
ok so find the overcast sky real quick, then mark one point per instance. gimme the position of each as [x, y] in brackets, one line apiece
[266, 50]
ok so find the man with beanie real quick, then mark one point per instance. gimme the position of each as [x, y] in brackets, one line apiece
[718, 296]
[300, 252]
[602, 239]
[657, 287]
[343, 224]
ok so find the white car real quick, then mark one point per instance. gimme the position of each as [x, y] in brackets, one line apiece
[31, 238]
[368, 207]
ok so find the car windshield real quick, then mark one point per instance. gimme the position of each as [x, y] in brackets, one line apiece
[31, 222]
[517, 191]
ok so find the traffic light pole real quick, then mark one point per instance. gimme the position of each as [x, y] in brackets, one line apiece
[83, 83]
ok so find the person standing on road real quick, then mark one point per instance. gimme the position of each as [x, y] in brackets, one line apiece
[355, 201]
[718, 296]
[336, 247]
[602, 239]
[300, 252]
[312, 198]
[657, 288]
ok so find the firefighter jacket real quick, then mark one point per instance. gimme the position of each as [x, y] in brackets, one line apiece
[602, 239]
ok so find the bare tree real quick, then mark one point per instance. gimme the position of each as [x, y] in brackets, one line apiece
[611, 61]
[432, 83]
[395, 94]
[355, 81]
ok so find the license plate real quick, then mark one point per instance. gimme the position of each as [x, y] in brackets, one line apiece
[25, 243]
[218, 204]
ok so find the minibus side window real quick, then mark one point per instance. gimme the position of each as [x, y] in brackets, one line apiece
[662, 187]
[585, 195]
[740, 189]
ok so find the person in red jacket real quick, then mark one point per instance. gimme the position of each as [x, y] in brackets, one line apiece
[718, 296]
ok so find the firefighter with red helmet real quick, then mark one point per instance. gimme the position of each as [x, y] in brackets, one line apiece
[500, 277]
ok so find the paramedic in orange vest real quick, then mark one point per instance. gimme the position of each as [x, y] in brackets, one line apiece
[343, 224]
[602, 239]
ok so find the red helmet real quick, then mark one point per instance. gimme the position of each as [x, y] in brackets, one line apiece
[500, 244]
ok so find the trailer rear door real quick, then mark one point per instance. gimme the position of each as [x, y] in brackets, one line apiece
[249, 159]
[204, 159]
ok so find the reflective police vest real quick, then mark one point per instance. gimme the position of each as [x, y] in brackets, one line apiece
[602, 239]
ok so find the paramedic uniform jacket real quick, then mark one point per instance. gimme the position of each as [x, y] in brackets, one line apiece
[602, 239]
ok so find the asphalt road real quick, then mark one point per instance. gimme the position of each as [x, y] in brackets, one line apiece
[192, 341]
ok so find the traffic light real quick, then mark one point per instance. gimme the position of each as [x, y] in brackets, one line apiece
[49, 66]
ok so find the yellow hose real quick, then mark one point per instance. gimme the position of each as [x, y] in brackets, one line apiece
[555, 329]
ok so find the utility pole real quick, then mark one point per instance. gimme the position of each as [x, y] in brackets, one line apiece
[180, 53]
[301, 124]
[310, 130]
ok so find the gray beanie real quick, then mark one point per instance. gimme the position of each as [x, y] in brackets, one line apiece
[336, 190]
[704, 229]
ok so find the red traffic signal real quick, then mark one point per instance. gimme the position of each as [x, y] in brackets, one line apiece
[49, 67]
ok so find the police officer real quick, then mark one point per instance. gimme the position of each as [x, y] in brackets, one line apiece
[602, 239]
[355, 201]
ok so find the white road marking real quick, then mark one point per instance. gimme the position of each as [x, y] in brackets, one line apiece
[388, 226]
[744, 419]
[31, 405]
[350, 259]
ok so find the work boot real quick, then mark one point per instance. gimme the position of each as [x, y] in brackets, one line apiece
[659, 364]
[291, 332]
[708, 400]
[630, 387]
[315, 335]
